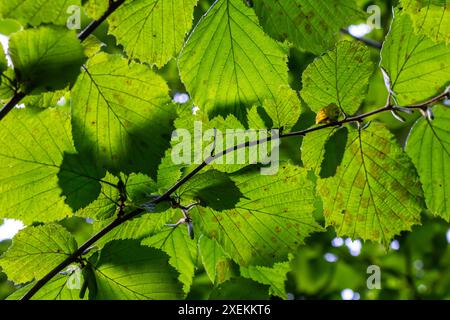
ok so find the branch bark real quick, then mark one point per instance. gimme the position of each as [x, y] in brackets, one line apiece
[18, 96]
[167, 195]
[369, 42]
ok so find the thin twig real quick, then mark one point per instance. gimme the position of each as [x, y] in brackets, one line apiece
[167, 195]
[370, 42]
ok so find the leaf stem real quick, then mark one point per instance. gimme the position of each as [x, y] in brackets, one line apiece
[167, 195]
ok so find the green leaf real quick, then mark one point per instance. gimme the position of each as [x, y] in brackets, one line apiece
[322, 150]
[284, 110]
[376, 192]
[181, 249]
[310, 25]
[158, 28]
[428, 146]
[141, 227]
[431, 18]
[46, 58]
[116, 108]
[229, 63]
[340, 77]
[275, 277]
[33, 147]
[9, 26]
[240, 289]
[44, 100]
[3, 62]
[36, 251]
[96, 8]
[213, 189]
[126, 270]
[105, 206]
[313, 148]
[418, 67]
[57, 288]
[36, 12]
[215, 261]
[271, 221]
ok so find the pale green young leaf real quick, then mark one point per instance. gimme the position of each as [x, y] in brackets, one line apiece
[127, 270]
[35, 251]
[229, 63]
[428, 146]
[309, 25]
[216, 262]
[116, 108]
[152, 31]
[46, 58]
[418, 67]
[36, 12]
[181, 249]
[275, 277]
[376, 192]
[284, 109]
[340, 77]
[431, 18]
[272, 220]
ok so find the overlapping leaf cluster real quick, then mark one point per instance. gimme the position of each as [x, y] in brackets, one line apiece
[107, 151]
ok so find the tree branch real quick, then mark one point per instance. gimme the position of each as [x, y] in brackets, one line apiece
[18, 96]
[369, 42]
[167, 195]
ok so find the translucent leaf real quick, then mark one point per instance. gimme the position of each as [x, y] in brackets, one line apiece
[213, 189]
[33, 147]
[310, 25]
[45, 100]
[140, 227]
[152, 31]
[431, 18]
[96, 8]
[56, 289]
[428, 146]
[215, 261]
[35, 12]
[116, 108]
[3, 62]
[284, 110]
[376, 192]
[272, 220]
[341, 76]
[39, 56]
[181, 249]
[275, 277]
[322, 150]
[229, 63]
[418, 67]
[105, 206]
[126, 270]
[313, 148]
[36, 251]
